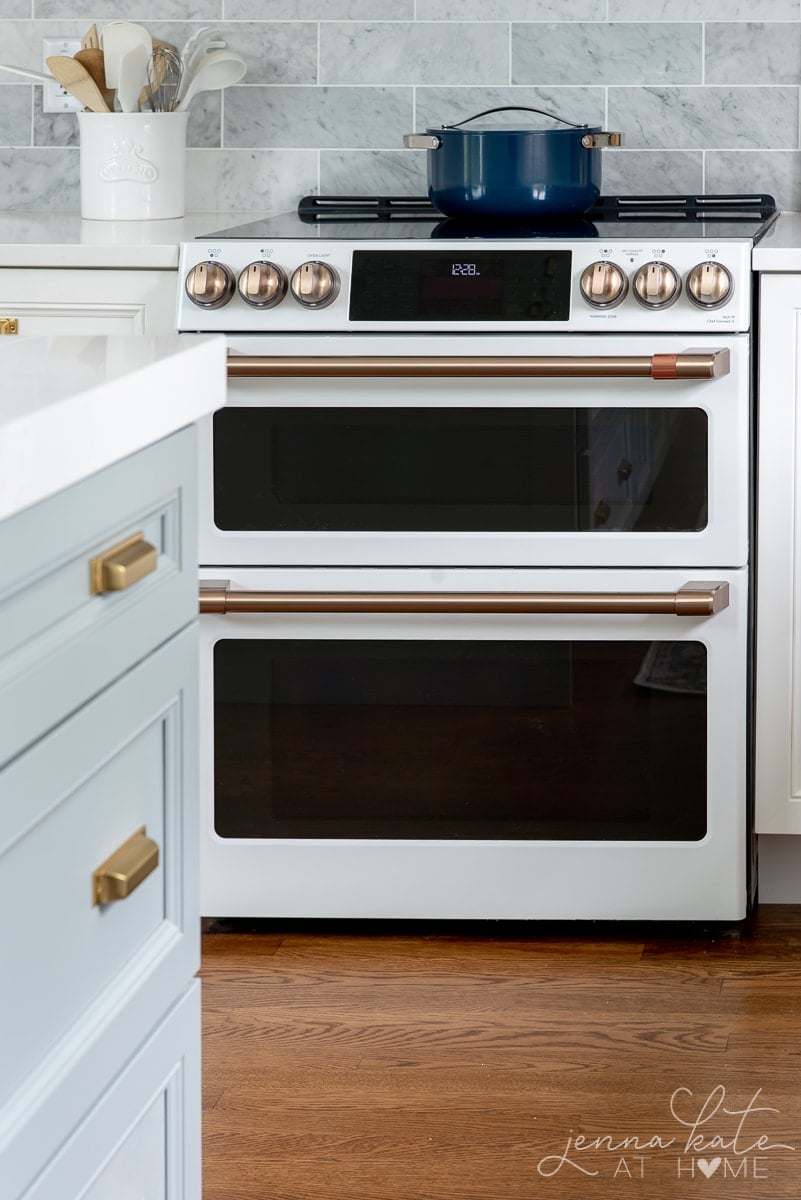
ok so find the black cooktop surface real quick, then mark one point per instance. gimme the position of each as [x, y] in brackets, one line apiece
[402, 218]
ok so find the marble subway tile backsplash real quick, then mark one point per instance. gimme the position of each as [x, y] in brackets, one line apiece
[414, 52]
[362, 118]
[705, 92]
[707, 118]
[605, 53]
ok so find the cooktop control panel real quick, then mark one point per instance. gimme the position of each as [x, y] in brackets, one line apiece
[296, 285]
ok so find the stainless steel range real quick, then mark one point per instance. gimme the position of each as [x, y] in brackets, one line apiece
[475, 541]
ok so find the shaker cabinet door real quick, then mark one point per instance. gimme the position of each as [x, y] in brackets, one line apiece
[98, 881]
[65, 630]
[778, 609]
[142, 1140]
[87, 302]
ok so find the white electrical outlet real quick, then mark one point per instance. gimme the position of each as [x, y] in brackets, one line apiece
[54, 98]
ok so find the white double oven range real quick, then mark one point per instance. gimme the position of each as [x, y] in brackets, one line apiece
[475, 546]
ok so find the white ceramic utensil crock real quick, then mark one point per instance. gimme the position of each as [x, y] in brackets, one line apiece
[133, 165]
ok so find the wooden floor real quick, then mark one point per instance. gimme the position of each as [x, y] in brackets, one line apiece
[492, 1061]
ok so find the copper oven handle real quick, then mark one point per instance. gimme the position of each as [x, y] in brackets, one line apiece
[692, 600]
[697, 364]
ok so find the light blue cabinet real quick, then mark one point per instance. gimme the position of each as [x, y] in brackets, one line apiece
[99, 1008]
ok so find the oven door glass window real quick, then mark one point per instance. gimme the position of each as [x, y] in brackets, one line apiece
[460, 740]
[473, 470]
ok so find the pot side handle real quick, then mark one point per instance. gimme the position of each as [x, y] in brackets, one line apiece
[598, 141]
[421, 141]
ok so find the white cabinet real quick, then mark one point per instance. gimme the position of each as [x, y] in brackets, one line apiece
[99, 1012]
[88, 302]
[778, 558]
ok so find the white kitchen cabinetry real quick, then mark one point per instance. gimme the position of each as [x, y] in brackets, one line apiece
[99, 1008]
[88, 302]
[778, 610]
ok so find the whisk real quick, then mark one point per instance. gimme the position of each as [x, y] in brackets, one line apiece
[164, 71]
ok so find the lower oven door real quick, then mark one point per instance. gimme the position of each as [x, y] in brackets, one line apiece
[493, 451]
[420, 744]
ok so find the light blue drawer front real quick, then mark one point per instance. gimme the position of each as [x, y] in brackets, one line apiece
[141, 1139]
[125, 760]
[60, 644]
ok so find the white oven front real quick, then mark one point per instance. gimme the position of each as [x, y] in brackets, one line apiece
[451, 450]
[474, 743]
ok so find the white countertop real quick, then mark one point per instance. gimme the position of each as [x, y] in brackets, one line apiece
[780, 249]
[53, 239]
[71, 406]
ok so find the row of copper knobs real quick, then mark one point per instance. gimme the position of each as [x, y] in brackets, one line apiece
[604, 284]
[262, 284]
[656, 285]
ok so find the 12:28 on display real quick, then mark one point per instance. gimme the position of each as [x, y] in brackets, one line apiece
[464, 269]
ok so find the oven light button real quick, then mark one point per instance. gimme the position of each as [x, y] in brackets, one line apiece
[314, 284]
[656, 285]
[262, 284]
[603, 285]
[709, 285]
[210, 284]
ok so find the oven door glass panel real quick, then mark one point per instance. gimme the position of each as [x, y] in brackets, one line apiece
[460, 740]
[473, 470]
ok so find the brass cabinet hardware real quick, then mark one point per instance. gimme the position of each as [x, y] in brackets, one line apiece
[700, 364]
[8, 325]
[124, 870]
[691, 600]
[123, 565]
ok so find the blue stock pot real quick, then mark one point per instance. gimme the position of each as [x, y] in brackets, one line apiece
[493, 173]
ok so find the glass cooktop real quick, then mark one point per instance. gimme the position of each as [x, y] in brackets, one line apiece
[401, 218]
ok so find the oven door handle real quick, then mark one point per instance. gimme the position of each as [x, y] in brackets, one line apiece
[687, 364]
[691, 600]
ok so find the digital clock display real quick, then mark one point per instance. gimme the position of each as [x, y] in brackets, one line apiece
[486, 285]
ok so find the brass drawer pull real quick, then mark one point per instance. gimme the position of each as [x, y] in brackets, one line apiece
[691, 600]
[125, 869]
[122, 565]
[8, 325]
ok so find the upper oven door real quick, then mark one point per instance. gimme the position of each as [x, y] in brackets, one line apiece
[429, 450]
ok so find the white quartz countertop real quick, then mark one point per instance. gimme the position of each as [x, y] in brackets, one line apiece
[780, 248]
[53, 239]
[70, 406]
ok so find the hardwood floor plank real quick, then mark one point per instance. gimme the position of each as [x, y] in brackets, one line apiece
[445, 1065]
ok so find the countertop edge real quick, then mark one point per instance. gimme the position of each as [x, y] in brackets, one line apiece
[41, 240]
[55, 446]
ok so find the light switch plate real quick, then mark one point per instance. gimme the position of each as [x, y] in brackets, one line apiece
[54, 98]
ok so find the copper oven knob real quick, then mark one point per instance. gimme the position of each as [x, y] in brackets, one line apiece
[709, 285]
[603, 285]
[314, 284]
[210, 284]
[262, 284]
[656, 285]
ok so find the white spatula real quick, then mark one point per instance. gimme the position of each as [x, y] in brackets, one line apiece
[118, 37]
[132, 77]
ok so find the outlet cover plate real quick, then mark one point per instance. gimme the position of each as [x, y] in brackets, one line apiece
[54, 98]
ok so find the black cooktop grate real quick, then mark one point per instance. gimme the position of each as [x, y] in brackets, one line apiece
[746, 207]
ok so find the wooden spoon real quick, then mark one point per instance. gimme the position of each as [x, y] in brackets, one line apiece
[75, 79]
[90, 40]
[95, 64]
